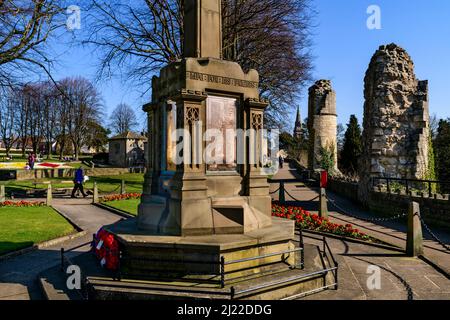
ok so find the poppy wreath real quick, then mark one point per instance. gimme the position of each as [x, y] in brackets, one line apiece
[106, 249]
[308, 221]
[117, 197]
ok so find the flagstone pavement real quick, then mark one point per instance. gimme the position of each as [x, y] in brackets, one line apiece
[402, 277]
[18, 276]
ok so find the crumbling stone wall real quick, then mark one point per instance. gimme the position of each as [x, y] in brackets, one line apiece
[322, 122]
[396, 120]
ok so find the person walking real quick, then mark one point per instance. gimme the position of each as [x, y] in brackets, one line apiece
[78, 181]
[281, 159]
[31, 160]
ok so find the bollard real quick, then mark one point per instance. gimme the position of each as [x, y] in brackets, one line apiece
[323, 205]
[122, 187]
[281, 196]
[414, 241]
[2, 193]
[95, 196]
[49, 195]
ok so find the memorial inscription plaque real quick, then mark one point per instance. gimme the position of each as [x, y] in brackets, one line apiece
[221, 125]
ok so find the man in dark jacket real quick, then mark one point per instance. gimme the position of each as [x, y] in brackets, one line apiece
[281, 160]
[78, 181]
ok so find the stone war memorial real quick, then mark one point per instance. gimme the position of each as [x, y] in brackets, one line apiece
[205, 230]
[218, 200]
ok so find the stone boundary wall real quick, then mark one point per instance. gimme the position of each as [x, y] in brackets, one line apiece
[67, 173]
[346, 189]
[435, 210]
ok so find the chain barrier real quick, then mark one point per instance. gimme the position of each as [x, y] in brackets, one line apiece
[446, 247]
[274, 191]
[108, 192]
[399, 216]
[295, 199]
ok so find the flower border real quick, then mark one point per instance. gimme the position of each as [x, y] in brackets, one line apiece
[308, 221]
[21, 204]
[118, 197]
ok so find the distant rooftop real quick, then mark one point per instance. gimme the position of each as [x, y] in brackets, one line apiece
[129, 135]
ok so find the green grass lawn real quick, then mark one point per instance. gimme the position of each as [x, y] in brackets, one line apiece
[106, 184]
[24, 227]
[129, 206]
[133, 182]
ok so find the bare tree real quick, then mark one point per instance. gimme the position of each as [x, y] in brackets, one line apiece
[23, 119]
[25, 26]
[123, 119]
[8, 114]
[84, 107]
[434, 125]
[272, 36]
[62, 135]
[50, 115]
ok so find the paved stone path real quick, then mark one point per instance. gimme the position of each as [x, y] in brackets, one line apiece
[393, 232]
[18, 276]
[401, 277]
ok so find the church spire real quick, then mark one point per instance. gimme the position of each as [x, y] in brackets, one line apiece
[298, 119]
[298, 125]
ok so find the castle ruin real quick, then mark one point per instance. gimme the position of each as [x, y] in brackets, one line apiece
[322, 122]
[396, 120]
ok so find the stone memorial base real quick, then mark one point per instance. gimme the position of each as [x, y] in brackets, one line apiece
[264, 264]
[198, 257]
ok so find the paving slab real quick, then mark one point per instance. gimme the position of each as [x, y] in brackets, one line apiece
[18, 275]
[402, 278]
[344, 211]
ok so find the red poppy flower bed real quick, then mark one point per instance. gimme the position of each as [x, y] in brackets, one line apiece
[21, 204]
[117, 197]
[308, 221]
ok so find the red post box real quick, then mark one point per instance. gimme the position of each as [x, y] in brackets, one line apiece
[324, 179]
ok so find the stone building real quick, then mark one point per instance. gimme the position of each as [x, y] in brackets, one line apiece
[322, 122]
[127, 150]
[396, 120]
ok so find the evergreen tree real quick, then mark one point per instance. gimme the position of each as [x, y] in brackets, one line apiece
[291, 145]
[442, 153]
[352, 148]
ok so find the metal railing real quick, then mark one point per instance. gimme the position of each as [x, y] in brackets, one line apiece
[325, 252]
[410, 184]
[222, 263]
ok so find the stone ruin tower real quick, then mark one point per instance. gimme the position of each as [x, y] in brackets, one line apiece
[396, 120]
[322, 122]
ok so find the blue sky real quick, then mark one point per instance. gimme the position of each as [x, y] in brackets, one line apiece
[343, 46]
